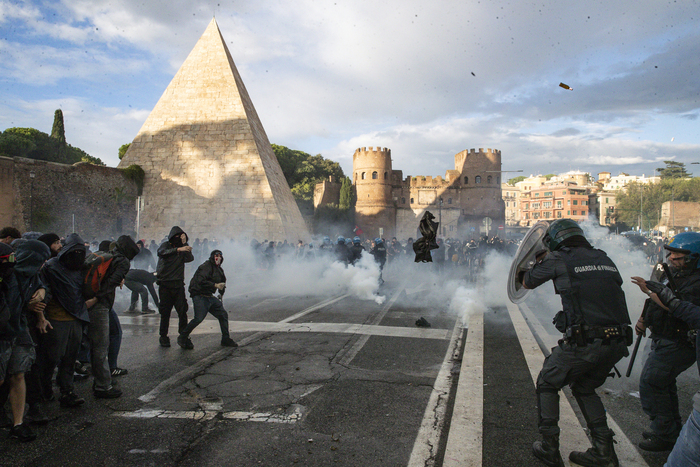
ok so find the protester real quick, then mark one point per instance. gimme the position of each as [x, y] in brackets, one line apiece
[173, 254]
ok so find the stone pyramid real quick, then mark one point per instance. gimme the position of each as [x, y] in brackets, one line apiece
[209, 166]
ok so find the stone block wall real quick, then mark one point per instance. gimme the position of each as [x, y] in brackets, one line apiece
[99, 201]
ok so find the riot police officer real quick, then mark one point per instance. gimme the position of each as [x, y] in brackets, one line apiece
[596, 330]
[356, 250]
[671, 351]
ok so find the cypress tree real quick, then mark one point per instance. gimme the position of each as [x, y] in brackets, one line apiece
[346, 194]
[58, 132]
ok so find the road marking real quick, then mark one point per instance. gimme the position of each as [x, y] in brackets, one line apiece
[426, 444]
[572, 433]
[318, 306]
[204, 415]
[465, 439]
[211, 326]
[350, 355]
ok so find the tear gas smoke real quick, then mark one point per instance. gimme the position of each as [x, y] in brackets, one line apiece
[285, 274]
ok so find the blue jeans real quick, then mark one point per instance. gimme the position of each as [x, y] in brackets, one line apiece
[657, 385]
[204, 305]
[686, 452]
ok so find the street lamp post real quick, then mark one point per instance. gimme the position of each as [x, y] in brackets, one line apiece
[32, 174]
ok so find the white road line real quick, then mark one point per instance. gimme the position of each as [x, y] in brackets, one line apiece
[465, 440]
[318, 306]
[211, 326]
[357, 346]
[426, 444]
[573, 438]
[204, 415]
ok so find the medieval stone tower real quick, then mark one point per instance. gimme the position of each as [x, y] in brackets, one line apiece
[467, 200]
[375, 208]
[209, 166]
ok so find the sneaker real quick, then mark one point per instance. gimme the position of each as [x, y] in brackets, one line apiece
[185, 342]
[164, 341]
[71, 400]
[148, 311]
[131, 309]
[228, 342]
[22, 432]
[120, 372]
[111, 393]
[36, 416]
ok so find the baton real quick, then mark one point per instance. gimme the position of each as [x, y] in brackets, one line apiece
[634, 355]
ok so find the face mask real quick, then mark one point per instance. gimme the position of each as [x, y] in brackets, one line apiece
[218, 260]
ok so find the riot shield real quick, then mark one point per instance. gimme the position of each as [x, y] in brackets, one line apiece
[525, 259]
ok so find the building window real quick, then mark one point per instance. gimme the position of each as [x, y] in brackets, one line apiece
[606, 201]
[547, 214]
[568, 202]
[363, 175]
[498, 180]
[583, 213]
[451, 228]
[488, 179]
[575, 202]
[563, 192]
[374, 175]
[559, 204]
[386, 175]
[574, 212]
[403, 200]
[449, 200]
[568, 213]
[559, 214]
[477, 179]
[466, 180]
[411, 200]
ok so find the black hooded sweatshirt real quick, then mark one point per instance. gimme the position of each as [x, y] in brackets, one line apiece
[171, 263]
[208, 274]
[65, 285]
[123, 252]
[30, 256]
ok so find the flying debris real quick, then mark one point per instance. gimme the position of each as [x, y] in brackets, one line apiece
[673, 139]
[473, 74]
[566, 86]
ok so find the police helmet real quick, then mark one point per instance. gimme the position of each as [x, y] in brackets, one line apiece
[560, 230]
[348, 241]
[356, 240]
[377, 240]
[326, 239]
[687, 243]
[341, 239]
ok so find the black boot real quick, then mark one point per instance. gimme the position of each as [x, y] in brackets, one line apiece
[602, 454]
[547, 451]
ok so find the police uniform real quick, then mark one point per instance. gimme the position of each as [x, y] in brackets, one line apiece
[671, 354]
[595, 323]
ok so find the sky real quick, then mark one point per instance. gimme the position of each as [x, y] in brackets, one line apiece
[424, 79]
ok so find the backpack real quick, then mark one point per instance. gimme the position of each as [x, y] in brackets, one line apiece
[96, 265]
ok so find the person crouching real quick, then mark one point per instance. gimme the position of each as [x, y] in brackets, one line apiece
[208, 278]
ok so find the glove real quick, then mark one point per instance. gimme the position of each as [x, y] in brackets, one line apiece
[221, 286]
[664, 293]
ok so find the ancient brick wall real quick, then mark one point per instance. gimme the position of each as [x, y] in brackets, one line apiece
[98, 200]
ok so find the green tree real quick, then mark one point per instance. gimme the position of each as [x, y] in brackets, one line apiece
[642, 202]
[673, 169]
[122, 150]
[548, 176]
[34, 144]
[303, 171]
[515, 180]
[58, 132]
[347, 194]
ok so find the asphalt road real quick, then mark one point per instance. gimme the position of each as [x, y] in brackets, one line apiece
[326, 379]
